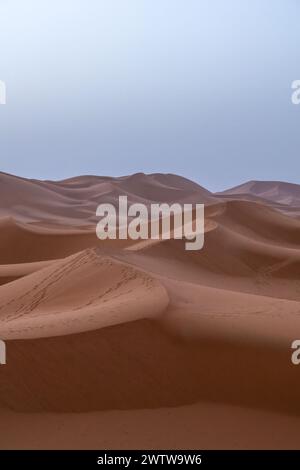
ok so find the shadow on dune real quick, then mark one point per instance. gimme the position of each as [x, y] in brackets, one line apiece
[142, 365]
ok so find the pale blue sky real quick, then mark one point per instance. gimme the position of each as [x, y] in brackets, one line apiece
[195, 87]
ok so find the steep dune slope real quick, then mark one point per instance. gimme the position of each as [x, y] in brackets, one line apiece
[248, 247]
[125, 325]
[83, 292]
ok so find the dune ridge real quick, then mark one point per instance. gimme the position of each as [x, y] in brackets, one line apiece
[135, 328]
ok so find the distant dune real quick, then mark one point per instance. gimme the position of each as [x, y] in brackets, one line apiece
[283, 196]
[124, 344]
[73, 202]
[276, 191]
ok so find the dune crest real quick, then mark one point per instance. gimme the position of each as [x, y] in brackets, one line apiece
[146, 328]
[83, 292]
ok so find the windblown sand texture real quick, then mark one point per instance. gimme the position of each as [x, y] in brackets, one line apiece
[123, 344]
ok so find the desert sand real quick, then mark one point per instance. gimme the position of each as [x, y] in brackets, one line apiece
[129, 344]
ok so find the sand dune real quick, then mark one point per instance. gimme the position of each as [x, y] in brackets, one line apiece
[27, 243]
[145, 330]
[214, 425]
[73, 202]
[83, 292]
[11, 272]
[285, 197]
[276, 191]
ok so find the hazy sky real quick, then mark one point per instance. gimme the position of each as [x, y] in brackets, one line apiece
[200, 88]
